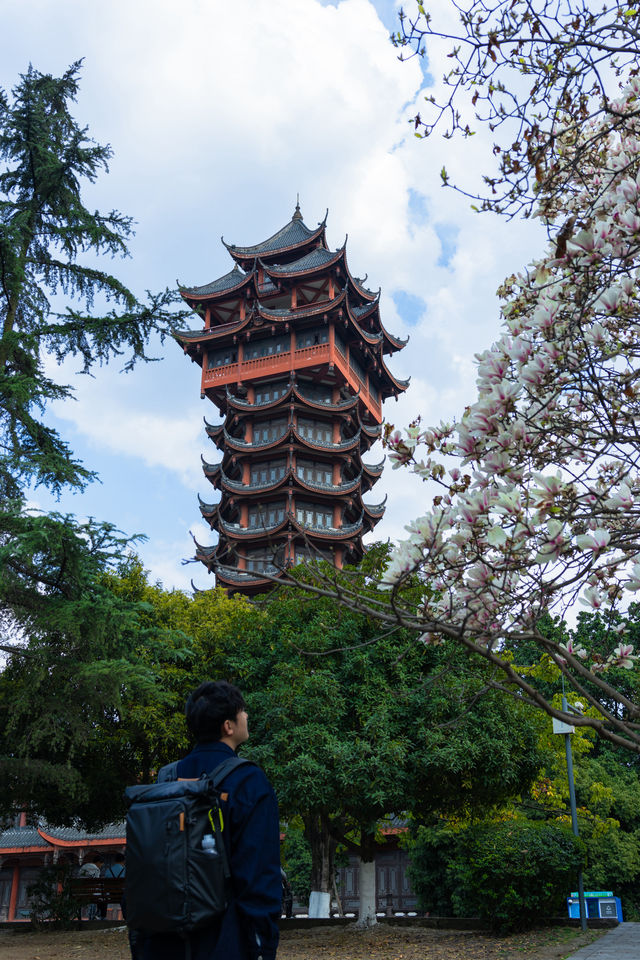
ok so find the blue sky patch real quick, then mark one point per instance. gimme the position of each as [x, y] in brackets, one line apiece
[447, 234]
[410, 307]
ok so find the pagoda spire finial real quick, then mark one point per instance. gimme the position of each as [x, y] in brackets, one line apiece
[296, 214]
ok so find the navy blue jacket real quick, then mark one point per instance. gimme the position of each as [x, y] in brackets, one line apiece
[249, 928]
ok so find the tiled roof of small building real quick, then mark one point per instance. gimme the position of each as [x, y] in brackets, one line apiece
[18, 837]
[113, 831]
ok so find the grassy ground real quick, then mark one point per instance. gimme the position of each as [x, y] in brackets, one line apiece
[344, 943]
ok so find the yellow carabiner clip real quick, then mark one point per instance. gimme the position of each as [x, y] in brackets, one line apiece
[212, 823]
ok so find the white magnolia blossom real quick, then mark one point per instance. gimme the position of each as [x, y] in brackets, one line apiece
[543, 505]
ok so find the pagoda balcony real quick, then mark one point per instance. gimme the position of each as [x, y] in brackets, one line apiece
[235, 530]
[253, 486]
[347, 486]
[328, 444]
[346, 530]
[239, 444]
[283, 364]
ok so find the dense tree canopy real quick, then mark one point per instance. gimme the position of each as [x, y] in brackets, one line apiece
[73, 643]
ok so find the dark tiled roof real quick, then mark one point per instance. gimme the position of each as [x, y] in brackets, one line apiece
[230, 280]
[22, 837]
[113, 831]
[317, 258]
[292, 233]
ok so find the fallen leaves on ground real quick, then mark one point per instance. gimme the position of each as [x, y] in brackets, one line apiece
[321, 943]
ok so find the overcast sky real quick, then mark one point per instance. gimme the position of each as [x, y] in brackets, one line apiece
[219, 112]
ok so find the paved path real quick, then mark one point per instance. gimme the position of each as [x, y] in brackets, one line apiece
[621, 943]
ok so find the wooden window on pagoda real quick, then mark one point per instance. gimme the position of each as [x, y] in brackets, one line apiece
[318, 392]
[318, 431]
[222, 357]
[310, 338]
[357, 368]
[266, 392]
[309, 553]
[316, 515]
[315, 472]
[270, 471]
[268, 430]
[265, 515]
[267, 348]
[373, 390]
[340, 347]
[260, 561]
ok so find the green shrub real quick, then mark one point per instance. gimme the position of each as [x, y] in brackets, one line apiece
[510, 874]
[50, 898]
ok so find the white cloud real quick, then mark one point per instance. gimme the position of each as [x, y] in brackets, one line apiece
[219, 112]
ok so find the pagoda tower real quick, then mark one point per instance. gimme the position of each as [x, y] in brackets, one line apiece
[293, 356]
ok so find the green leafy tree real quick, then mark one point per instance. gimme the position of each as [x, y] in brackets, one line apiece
[50, 246]
[73, 643]
[353, 727]
[511, 873]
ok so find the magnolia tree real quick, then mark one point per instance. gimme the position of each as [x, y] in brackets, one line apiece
[539, 509]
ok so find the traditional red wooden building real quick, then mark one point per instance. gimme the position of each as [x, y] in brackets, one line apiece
[26, 849]
[293, 355]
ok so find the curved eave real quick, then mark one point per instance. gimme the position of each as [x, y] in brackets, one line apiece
[328, 447]
[375, 510]
[374, 432]
[206, 554]
[252, 490]
[373, 339]
[208, 510]
[341, 407]
[234, 578]
[394, 343]
[195, 295]
[370, 307]
[189, 338]
[330, 533]
[211, 469]
[239, 404]
[290, 316]
[257, 251]
[374, 469]
[360, 290]
[234, 443]
[212, 429]
[395, 385]
[307, 269]
[341, 490]
[251, 533]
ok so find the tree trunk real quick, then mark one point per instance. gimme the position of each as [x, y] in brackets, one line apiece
[367, 889]
[322, 854]
[367, 881]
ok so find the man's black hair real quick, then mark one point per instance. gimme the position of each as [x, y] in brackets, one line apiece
[209, 706]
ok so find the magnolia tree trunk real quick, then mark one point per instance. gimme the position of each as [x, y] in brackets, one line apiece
[322, 851]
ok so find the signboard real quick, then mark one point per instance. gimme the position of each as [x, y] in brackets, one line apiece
[594, 893]
[559, 726]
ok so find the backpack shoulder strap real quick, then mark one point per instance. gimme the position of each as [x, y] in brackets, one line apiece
[221, 771]
[168, 772]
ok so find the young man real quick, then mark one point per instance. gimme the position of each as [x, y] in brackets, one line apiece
[248, 930]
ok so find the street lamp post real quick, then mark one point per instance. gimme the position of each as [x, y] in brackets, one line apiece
[567, 729]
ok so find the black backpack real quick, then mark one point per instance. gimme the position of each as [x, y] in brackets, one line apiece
[177, 871]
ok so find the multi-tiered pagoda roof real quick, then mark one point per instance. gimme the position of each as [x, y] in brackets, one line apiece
[292, 351]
